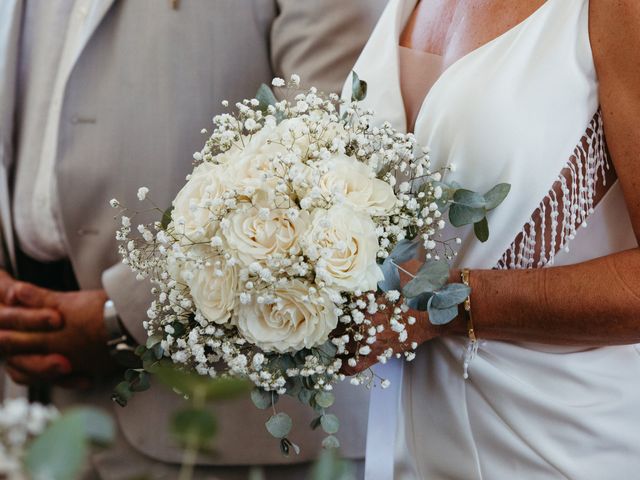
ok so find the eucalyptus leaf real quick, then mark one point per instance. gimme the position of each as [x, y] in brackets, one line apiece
[189, 383]
[315, 423]
[122, 394]
[443, 316]
[330, 442]
[460, 215]
[404, 251]
[481, 230]
[141, 382]
[431, 276]
[325, 399]
[330, 423]
[330, 466]
[60, 451]
[263, 399]
[468, 198]
[420, 302]
[266, 97]
[194, 426]
[166, 217]
[496, 195]
[305, 396]
[358, 88]
[279, 425]
[328, 349]
[450, 295]
[153, 340]
[391, 274]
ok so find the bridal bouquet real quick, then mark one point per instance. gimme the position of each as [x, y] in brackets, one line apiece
[287, 237]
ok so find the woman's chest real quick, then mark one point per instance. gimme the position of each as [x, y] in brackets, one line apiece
[453, 28]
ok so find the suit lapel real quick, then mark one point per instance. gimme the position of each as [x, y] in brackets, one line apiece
[10, 21]
[97, 11]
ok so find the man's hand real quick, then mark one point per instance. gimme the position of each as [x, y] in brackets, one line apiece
[79, 347]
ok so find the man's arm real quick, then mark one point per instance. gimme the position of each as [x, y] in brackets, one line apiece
[131, 297]
[320, 40]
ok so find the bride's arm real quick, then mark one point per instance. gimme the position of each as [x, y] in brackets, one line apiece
[596, 302]
[592, 303]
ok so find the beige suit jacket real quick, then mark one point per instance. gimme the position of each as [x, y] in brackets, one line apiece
[146, 80]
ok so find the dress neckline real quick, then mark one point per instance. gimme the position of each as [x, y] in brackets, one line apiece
[405, 10]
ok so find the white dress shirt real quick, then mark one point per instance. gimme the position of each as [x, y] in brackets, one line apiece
[51, 31]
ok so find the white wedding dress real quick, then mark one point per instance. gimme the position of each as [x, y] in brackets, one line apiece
[521, 109]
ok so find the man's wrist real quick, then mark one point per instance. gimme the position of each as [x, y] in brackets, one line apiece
[121, 345]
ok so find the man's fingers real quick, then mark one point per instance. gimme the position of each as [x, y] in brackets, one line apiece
[44, 367]
[6, 282]
[19, 377]
[16, 343]
[29, 319]
[30, 295]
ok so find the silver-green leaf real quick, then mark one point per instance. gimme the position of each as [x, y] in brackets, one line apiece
[481, 230]
[496, 195]
[404, 251]
[391, 274]
[469, 198]
[460, 215]
[330, 423]
[443, 316]
[450, 295]
[431, 276]
[324, 399]
[331, 442]
[279, 425]
[358, 88]
[262, 399]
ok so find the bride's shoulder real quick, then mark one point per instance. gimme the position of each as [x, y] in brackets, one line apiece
[614, 29]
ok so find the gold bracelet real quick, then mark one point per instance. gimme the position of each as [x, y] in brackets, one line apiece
[464, 275]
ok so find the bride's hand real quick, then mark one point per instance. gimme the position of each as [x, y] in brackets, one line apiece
[421, 331]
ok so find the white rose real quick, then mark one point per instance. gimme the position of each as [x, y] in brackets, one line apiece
[214, 289]
[344, 245]
[193, 205]
[354, 182]
[255, 236]
[255, 163]
[297, 320]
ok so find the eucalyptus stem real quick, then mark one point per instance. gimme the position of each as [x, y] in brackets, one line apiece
[190, 454]
[403, 270]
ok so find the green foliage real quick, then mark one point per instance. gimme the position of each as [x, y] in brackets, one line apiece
[330, 466]
[166, 218]
[404, 251]
[324, 399]
[194, 427]
[59, 453]
[330, 423]
[287, 445]
[262, 399]
[331, 442]
[441, 316]
[190, 383]
[358, 88]
[391, 274]
[450, 295]
[279, 425]
[467, 207]
[431, 276]
[420, 302]
[266, 97]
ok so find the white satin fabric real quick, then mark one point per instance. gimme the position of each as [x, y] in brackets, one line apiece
[510, 111]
